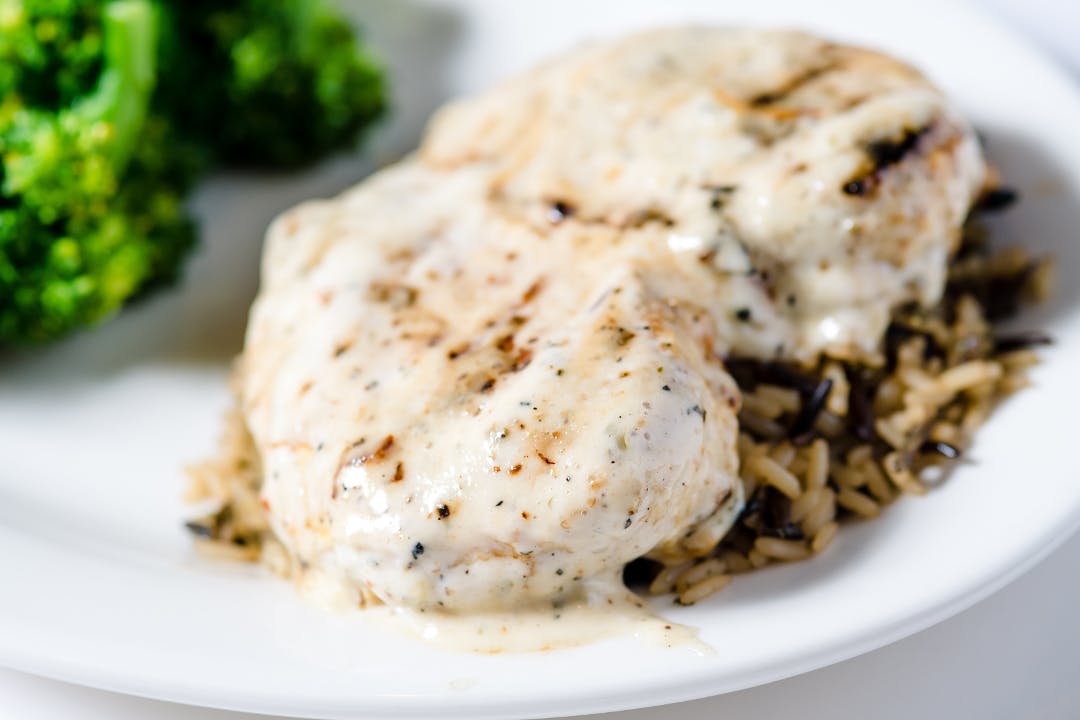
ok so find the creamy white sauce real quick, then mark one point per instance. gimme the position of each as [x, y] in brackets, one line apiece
[492, 374]
[606, 610]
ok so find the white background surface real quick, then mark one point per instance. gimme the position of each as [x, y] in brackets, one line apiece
[1013, 656]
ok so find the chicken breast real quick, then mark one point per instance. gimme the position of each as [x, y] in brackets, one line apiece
[833, 177]
[491, 375]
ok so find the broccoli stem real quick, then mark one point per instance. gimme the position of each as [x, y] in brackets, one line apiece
[122, 97]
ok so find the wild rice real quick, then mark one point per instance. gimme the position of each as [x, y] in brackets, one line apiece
[823, 512]
[702, 571]
[886, 422]
[703, 589]
[774, 474]
[858, 503]
[824, 537]
[786, 550]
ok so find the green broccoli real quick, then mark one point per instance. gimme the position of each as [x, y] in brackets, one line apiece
[279, 82]
[78, 234]
[110, 109]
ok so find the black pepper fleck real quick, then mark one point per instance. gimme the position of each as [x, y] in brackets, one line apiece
[418, 550]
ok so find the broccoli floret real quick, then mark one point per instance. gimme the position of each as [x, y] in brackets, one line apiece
[110, 109]
[89, 210]
[281, 82]
[50, 50]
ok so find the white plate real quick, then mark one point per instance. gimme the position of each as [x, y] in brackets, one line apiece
[98, 583]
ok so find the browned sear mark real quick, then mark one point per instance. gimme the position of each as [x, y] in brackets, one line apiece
[622, 335]
[505, 343]
[533, 290]
[776, 95]
[378, 454]
[399, 473]
[881, 155]
[457, 351]
[395, 294]
[524, 357]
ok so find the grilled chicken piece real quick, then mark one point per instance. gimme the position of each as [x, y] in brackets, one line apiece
[491, 375]
[836, 178]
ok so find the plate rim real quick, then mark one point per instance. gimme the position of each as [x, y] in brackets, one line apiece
[80, 672]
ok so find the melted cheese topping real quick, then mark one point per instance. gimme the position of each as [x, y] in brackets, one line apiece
[491, 375]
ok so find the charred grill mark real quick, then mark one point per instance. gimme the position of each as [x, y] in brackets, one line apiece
[771, 97]
[883, 154]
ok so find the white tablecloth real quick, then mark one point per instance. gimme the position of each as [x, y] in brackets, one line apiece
[1015, 655]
